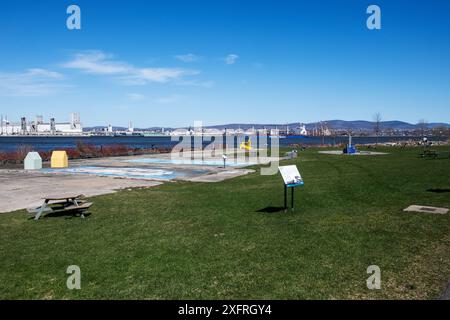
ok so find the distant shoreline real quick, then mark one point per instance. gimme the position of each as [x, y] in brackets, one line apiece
[49, 143]
[206, 135]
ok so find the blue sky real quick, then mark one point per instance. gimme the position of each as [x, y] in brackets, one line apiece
[168, 63]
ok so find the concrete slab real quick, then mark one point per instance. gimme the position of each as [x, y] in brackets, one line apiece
[426, 209]
[359, 153]
[147, 167]
[179, 163]
[20, 189]
[221, 176]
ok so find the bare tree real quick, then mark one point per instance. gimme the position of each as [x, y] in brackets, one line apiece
[22, 151]
[377, 124]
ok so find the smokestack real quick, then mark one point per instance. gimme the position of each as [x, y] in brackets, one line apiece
[52, 125]
[23, 125]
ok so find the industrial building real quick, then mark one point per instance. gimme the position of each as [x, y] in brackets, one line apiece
[39, 127]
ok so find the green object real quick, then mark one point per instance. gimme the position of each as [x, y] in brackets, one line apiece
[32, 161]
[187, 240]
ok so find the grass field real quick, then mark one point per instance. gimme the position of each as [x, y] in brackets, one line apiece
[222, 240]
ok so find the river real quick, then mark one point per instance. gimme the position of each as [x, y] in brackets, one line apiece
[10, 143]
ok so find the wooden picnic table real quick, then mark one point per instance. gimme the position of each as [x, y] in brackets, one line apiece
[430, 153]
[66, 203]
[435, 154]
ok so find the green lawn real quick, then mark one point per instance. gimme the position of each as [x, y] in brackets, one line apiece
[211, 241]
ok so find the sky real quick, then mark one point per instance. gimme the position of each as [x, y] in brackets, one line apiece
[170, 63]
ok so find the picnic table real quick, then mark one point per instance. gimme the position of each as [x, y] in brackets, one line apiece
[434, 154]
[69, 203]
[429, 153]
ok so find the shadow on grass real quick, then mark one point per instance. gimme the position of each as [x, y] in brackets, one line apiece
[446, 294]
[438, 190]
[271, 209]
[67, 215]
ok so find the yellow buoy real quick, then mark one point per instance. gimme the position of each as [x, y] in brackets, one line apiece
[59, 159]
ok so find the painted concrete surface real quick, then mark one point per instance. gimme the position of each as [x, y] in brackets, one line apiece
[359, 153]
[196, 160]
[426, 209]
[123, 172]
[221, 176]
[20, 189]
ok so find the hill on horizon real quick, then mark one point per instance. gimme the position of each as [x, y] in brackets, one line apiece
[355, 125]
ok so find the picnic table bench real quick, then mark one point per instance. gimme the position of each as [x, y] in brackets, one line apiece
[429, 153]
[70, 203]
[434, 154]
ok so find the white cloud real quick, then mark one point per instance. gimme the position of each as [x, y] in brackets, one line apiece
[135, 96]
[97, 62]
[190, 57]
[231, 59]
[161, 75]
[32, 82]
[36, 72]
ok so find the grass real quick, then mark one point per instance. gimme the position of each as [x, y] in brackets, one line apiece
[187, 240]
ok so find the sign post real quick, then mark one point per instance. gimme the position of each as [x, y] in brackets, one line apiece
[292, 179]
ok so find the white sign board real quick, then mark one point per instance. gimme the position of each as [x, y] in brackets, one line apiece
[290, 174]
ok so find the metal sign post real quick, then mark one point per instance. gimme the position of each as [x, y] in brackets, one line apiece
[292, 179]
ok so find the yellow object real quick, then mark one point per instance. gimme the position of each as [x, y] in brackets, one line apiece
[59, 159]
[247, 145]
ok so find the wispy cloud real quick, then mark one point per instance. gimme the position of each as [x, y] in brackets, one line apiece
[32, 82]
[97, 62]
[161, 75]
[231, 58]
[190, 57]
[36, 72]
[135, 96]
[196, 83]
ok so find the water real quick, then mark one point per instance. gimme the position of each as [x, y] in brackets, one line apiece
[54, 143]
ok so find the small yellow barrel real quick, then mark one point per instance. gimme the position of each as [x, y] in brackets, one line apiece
[59, 159]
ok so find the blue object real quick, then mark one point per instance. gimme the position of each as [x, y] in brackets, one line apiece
[349, 150]
[122, 172]
[292, 185]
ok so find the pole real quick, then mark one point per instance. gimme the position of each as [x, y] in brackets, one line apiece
[292, 199]
[285, 198]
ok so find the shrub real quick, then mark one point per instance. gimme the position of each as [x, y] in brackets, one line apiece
[22, 152]
[73, 153]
